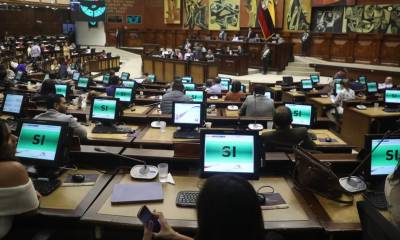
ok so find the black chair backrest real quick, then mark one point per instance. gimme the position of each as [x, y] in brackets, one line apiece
[374, 225]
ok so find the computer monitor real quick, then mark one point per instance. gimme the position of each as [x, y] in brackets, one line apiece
[61, 89]
[46, 77]
[314, 78]
[306, 84]
[392, 98]
[230, 152]
[338, 80]
[139, 80]
[242, 88]
[372, 87]
[189, 86]
[104, 110]
[362, 79]
[151, 78]
[188, 114]
[128, 83]
[106, 79]
[384, 159]
[268, 95]
[125, 76]
[18, 76]
[124, 94]
[42, 143]
[83, 83]
[13, 104]
[338, 88]
[187, 79]
[287, 80]
[226, 79]
[75, 76]
[225, 83]
[302, 114]
[197, 96]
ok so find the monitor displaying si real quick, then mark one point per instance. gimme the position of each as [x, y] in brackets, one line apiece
[125, 95]
[306, 84]
[13, 104]
[230, 152]
[83, 83]
[75, 76]
[302, 114]
[225, 83]
[129, 84]
[104, 109]
[189, 86]
[362, 79]
[384, 159]
[314, 78]
[392, 97]
[197, 96]
[106, 78]
[372, 87]
[61, 89]
[187, 79]
[18, 76]
[41, 142]
[125, 76]
[187, 114]
[268, 95]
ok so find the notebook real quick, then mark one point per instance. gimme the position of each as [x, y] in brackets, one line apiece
[137, 193]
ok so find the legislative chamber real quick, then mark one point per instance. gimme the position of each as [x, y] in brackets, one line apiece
[206, 119]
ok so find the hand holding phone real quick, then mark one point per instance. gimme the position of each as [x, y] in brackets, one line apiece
[145, 216]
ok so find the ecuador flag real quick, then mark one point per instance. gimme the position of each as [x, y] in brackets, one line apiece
[266, 17]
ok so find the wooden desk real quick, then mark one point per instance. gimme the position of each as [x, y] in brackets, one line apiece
[297, 216]
[136, 112]
[233, 64]
[293, 96]
[154, 137]
[109, 139]
[72, 201]
[357, 123]
[320, 103]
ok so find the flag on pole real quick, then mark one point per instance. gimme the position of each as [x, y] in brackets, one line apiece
[266, 17]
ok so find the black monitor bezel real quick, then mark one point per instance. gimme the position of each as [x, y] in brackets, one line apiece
[106, 83]
[257, 151]
[79, 75]
[367, 89]
[204, 95]
[390, 104]
[102, 120]
[61, 145]
[191, 79]
[187, 125]
[306, 89]
[87, 85]
[66, 88]
[312, 120]
[122, 79]
[132, 95]
[319, 78]
[190, 84]
[24, 98]
[134, 83]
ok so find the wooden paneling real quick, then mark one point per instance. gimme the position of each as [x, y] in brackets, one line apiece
[159, 70]
[148, 66]
[169, 71]
[365, 49]
[197, 72]
[341, 47]
[389, 51]
[180, 69]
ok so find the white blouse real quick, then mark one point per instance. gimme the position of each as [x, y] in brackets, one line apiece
[392, 193]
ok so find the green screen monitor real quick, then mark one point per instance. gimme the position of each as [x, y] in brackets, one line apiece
[106, 79]
[384, 158]
[338, 80]
[392, 98]
[41, 142]
[362, 79]
[13, 104]
[124, 94]
[47, 76]
[104, 110]
[225, 83]
[230, 152]
[152, 78]
[128, 83]
[75, 76]
[372, 87]
[242, 88]
[197, 96]
[306, 84]
[125, 76]
[189, 86]
[302, 114]
[61, 89]
[83, 83]
[338, 88]
[18, 76]
[187, 79]
[314, 78]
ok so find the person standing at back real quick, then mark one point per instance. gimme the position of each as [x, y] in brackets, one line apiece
[35, 52]
[175, 95]
[257, 105]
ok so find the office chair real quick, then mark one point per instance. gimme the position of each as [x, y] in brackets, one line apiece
[374, 225]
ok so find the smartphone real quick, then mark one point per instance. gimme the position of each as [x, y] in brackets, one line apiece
[145, 216]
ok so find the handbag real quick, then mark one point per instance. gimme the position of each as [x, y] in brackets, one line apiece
[310, 174]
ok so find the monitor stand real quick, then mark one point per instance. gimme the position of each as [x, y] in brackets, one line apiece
[44, 172]
[187, 133]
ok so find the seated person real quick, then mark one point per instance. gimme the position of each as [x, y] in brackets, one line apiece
[257, 105]
[114, 83]
[48, 88]
[285, 137]
[175, 95]
[392, 193]
[55, 66]
[146, 79]
[216, 88]
[188, 55]
[209, 56]
[235, 94]
[4, 81]
[56, 111]
[242, 216]
[345, 94]
[17, 193]
[388, 84]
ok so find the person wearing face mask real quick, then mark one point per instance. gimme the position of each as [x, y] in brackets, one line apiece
[56, 111]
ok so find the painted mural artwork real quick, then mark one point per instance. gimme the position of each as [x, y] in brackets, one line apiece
[248, 15]
[328, 20]
[224, 14]
[196, 14]
[298, 15]
[172, 11]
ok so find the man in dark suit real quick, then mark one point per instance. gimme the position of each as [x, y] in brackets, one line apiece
[251, 34]
[285, 137]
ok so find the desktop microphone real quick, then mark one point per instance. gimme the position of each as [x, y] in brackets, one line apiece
[142, 172]
[355, 184]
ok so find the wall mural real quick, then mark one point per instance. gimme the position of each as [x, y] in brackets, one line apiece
[297, 15]
[224, 14]
[328, 19]
[172, 11]
[248, 15]
[195, 14]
